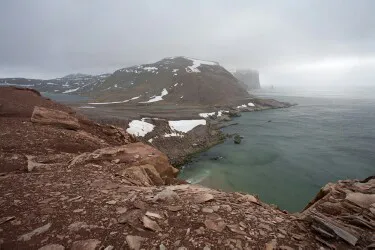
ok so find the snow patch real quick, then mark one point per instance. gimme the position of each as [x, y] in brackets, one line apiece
[181, 97]
[175, 84]
[159, 97]
[115, 85]
[220, 112]
[185, 125]
[250, 104]
[173, 134]
[150, 69]
[242, 106]
[139, 128]
[86, 107]
[206, 115]
[175, 70]
[196, 64]
[70, 90]
[51, 83]
[103, 103]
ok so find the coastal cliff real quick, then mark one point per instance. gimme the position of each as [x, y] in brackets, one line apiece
[248, 78]
[70, 183]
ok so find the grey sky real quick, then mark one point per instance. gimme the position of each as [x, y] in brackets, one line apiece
[49, 38]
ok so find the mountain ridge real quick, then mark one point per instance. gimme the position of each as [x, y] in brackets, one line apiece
[181, 79]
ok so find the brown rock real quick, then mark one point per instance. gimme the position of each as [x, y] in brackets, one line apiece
[54, 117]
[36, 231]
[153, 215]
[174, 208]
[167, 195]
[215, 222]
[207, 210]
[271, 245]
[121, 210]
[134, 242]
[52, 247]
[134, 154]
[5, 219]
[203, 197]
[90, 244]
[360, 199]
[150, 224]
[236, 229]
[138, 176]
[248, 197]
[132, 218]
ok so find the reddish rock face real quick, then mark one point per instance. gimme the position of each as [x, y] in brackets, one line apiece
[54, 117]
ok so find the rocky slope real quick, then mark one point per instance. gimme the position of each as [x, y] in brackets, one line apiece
[69, 183]
[69, 84]
[249, 78]
[171, 80]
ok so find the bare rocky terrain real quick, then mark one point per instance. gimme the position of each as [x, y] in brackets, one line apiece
[69, 183]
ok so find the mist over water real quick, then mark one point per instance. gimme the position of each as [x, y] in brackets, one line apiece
[328, 136]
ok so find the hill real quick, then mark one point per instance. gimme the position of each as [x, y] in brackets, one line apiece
[80, 84]
[172, 80]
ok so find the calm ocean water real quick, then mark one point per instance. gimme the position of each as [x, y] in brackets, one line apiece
[329, 136]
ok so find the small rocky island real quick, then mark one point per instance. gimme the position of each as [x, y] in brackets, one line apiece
[70, 183]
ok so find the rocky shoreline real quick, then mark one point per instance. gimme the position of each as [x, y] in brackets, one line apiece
[70, 183]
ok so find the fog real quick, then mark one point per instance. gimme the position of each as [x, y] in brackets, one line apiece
[289, 42]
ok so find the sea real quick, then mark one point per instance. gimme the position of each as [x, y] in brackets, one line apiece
[287, 155]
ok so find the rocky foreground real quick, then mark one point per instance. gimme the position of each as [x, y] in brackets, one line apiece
[69, 183]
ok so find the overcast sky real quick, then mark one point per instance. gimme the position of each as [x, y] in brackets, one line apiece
[50, 38]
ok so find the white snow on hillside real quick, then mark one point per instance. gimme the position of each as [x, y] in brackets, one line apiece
[173, 134]
[86, 107]
[206, 115]
[70, 90]
[220, 112]
[104, 103]
[139, 128]
[250, 104]
[150, 69]
[174, 70]
[242, 106]
[158, 97]
[185, 126]
[196, 64]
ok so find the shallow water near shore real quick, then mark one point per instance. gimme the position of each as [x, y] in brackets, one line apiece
[287, 155]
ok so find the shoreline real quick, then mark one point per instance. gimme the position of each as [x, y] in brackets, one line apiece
[71, 183]
[180, 149]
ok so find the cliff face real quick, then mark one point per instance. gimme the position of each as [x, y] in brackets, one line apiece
[249, 78]
[69, 183]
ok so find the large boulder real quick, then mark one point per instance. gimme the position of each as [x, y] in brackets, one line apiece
[145, 175]
[54, 117]
[134, 154]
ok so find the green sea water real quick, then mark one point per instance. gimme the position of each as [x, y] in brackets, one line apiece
[329, 135]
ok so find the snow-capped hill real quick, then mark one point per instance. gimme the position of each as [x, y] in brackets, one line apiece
[69, 84]
[172, 80]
